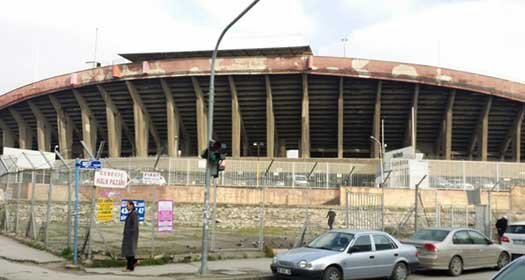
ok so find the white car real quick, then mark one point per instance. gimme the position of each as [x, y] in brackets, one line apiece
[301, 180]
[514, 239]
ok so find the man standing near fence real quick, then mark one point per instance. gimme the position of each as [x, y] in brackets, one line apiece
[501, 227]
[131, 237]
[331, 218]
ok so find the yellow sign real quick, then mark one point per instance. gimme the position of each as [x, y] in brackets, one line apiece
[104, 210]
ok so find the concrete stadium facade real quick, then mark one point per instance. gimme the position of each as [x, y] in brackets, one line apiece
[286, 98]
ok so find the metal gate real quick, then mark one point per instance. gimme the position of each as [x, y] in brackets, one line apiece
[364, 211]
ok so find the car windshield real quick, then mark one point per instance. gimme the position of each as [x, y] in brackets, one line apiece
[519, 229]
[431, 235]
[514, 271]
[334, 241]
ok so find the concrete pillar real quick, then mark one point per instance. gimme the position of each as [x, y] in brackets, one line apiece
[43, 128]
[305, 120]
[376, 130]
[411, 140]
[270, 120]
[340, 119]
[447, 132]
[516, 142]
[282, 148]
[89, 124]
[8, 138]
[25, 135]
[114, 124]
[236, 120]
[173, 121]
[141, 131]
[65, 129]
[202, 119]
[484, 137]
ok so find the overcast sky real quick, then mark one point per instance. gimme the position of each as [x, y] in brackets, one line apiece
[41, 39]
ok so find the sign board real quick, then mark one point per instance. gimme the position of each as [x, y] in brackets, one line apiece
[153, 178]
[37, 159]
[165, 215]
[90, 164]
[111, 178]
[104, 210]
[140, 208]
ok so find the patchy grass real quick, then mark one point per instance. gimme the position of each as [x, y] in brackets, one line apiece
[114, 262]
[67, 254]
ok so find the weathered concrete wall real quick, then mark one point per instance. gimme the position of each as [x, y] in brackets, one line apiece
[394, 198]
[404, 198]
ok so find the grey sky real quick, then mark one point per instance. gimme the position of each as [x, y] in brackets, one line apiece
[41, 39]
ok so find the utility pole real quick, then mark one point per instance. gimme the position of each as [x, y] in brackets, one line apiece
[211, 101]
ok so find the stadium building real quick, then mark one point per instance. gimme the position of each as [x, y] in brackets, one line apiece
[286, 98]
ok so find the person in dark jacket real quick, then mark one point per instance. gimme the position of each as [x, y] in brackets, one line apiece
[131, 237]
[331, 218]
[501, 226]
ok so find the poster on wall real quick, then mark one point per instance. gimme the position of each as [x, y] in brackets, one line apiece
[140, 207]
[165, 215]
[104, 210]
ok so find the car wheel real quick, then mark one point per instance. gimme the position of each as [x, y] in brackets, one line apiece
[455, 267]
[332, 273]
[503, 260]
[400, 272]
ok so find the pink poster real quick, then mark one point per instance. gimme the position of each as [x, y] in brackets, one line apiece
[165, 215]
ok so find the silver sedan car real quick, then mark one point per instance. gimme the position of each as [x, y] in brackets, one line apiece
[346, 254]
[457, 249]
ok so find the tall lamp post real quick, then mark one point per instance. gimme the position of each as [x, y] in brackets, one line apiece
[211, 102]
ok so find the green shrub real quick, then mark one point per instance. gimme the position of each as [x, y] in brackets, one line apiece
[268, 251]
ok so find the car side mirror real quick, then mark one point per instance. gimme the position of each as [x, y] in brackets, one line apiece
[490, 242]
[352, 250]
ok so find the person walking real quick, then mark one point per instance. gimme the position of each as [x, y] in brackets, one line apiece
[501, 226]
[131, 237]
[331, 218]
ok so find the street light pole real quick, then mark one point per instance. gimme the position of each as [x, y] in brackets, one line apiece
[211, 101]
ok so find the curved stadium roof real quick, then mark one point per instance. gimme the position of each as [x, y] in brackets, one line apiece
[285, 97]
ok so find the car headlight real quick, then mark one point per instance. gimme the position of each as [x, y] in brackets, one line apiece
[274, 261]
[304, 264]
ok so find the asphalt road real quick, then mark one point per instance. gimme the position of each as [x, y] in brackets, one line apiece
[485, 274]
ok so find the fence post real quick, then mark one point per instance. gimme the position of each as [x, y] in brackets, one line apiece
[20, 176]
[169, 171]
[68, 207]
[347, 218]
[466, 216]
[91, 221]
[327, 175]
[32, 223]
[464, 176]
[187, 172]
[293, 174]
[154, 210]
[437, 210]
[48, 210]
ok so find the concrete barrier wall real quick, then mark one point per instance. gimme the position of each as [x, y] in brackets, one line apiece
[394, 198]
[404, 198]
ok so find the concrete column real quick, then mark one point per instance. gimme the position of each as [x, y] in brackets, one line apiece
[340, 119]
[65, 129]
[114, 123]
[89, 124]
[141, 131]
[25, 135]
[43, 128]
[8, 138]
[282, 148]
[484, 137]
[516, 141]
[173, 121]
[236, 120]
[447, 131]
[376, 130]
[270, 120]
[305, 120]
[202, 119]
[409, 138]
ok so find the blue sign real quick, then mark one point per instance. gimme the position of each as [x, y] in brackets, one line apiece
[140, 209]
[90, 164]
